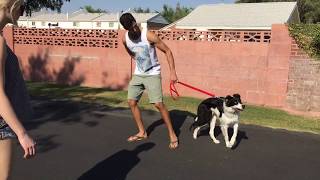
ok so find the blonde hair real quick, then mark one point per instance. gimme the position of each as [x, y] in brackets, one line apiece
[8, 3]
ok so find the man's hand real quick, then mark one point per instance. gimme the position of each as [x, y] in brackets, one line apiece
[173, 77]
[154, 39]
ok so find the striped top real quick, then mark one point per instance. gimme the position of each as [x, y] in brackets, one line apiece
[15, 88]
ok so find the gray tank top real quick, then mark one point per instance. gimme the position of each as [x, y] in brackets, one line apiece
[15, 88]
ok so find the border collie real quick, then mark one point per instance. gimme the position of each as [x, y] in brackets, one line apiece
[224, 109]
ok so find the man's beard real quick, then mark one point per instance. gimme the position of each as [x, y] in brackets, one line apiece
[134, 35]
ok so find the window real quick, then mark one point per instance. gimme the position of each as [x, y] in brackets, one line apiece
[53, 24]
[111, 24]
[33, 23]
[76, 24]
[98, 24]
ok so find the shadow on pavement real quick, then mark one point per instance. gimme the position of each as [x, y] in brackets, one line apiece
[217, 131]
[178, 118]
[117, 166]
[66, 112]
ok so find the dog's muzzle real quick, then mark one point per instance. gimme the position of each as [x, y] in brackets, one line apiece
[240, 109]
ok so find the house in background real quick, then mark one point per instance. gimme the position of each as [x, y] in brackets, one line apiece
[239, 16]
[84, 20]
[146, 20]
[45, 19]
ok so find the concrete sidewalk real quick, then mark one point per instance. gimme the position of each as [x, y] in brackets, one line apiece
[88, 142]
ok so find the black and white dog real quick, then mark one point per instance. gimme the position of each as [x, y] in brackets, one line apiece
[224, 109]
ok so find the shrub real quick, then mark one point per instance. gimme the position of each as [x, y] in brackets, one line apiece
[307, 37]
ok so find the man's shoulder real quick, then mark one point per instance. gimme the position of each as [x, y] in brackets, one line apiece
[151, 33]
[151, 36]
[123, 38]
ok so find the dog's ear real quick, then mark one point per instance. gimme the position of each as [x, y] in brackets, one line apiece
[236, 96]
[228, 97]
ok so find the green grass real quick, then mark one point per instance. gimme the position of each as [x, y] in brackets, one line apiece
[255, 115]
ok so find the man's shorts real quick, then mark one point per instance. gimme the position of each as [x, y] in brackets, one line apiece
[150, 83]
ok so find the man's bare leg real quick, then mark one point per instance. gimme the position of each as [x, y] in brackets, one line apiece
[165, 116]
[133, 104]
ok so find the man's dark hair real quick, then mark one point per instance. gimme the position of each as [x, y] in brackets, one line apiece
[127, 20]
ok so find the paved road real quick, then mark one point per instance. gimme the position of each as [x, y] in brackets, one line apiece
[88, 142]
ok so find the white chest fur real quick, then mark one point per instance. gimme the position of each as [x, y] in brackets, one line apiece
[229, 119]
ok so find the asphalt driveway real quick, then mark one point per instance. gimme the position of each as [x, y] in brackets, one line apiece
[88, 142]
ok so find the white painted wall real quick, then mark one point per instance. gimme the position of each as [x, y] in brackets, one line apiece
[70, 25]
[23, 23]
[106, 25]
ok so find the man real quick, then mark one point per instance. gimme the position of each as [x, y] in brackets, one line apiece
[140, 44]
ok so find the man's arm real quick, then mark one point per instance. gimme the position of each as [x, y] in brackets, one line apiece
[128, 50]
[154, 39]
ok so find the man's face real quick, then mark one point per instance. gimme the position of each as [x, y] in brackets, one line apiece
[134, 32]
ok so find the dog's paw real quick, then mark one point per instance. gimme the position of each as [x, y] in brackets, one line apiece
[232, 142]
[194, 136]
[216, 141]
[229, 145]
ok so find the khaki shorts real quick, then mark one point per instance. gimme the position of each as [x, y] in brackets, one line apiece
[150, 83]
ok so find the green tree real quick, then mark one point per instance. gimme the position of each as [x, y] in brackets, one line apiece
[172, 14]
[90, 9]
[37, 5]
[168, 13]
[309, 9]
[140, 10]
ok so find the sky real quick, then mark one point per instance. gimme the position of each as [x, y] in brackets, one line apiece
[119, 5]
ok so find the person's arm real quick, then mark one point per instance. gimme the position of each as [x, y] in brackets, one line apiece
[7, 112]
[128, 50]
[154, 39]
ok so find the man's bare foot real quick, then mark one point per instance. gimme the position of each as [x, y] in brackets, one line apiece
[138, 137]
[174, 143]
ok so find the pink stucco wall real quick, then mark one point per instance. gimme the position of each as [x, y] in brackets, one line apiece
[256, 70]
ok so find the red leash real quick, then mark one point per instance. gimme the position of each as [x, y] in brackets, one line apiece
[174, 90]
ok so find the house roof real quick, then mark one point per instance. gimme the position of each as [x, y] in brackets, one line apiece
[239, 15]
[140, 17]
[84, 16]
[108, 17]
[143, 17]
[45, 16]
[49, 17]
[158, 19]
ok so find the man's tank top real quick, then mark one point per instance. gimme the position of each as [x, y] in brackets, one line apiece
[145, 55]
